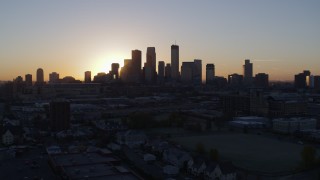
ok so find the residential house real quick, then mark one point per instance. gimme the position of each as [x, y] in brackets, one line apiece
[176, 157]
[222, 171]
[7, 138]
[197, 166]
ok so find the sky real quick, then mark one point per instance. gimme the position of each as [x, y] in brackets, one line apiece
[280, 37]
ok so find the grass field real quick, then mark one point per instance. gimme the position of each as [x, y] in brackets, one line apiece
[250, 151]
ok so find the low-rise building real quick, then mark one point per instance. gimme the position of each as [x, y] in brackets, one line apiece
[291, 125]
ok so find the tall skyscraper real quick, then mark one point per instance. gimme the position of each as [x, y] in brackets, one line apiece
[40, 76]
[53, 77]
[59, 115]
[197, 72]
[135, 73]
[175, 74]
[247, 72]
[210, 73]
[87, 77]
[187, 70]
[150, 65]
[301, 79]
[28, 79]
[167, 71]
[161, 70]
[115, 70]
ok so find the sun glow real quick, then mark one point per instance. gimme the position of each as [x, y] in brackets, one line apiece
[103, 63]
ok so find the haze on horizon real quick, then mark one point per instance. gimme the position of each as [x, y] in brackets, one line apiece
[70, 37]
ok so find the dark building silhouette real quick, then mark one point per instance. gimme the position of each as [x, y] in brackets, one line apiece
[87, 77]
[175, 74]
[247, 72]
[210, 73]
[161, 72]
[54, 77]
[316, 80]
[300, 80]
[40, 76]
[28, 80]
[135, 67]
[235, 79]
[261, 80]
[168, 71]
[115, 70]
[187, 69]
[59, 115]
[150, 65]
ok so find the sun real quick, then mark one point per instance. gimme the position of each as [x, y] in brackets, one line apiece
[103, 62]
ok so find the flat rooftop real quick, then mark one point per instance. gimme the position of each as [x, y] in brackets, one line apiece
[82, 159]
[98, 171]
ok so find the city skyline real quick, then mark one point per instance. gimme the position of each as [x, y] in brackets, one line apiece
[280, 38]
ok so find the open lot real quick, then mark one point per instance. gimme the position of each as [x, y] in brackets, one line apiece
[253, 152]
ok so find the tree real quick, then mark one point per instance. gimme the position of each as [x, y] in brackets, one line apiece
[308, 156]
[200, 148]
[214, 154]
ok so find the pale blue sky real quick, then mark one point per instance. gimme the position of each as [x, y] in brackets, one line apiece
[281, 37]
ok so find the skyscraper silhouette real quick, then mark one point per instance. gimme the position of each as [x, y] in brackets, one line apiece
[210, 73]
[28, 79]
[87, 77]
[175, 74]
[40, 76]
[247, 72]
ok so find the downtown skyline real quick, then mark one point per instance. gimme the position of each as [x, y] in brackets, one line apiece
[280, 38]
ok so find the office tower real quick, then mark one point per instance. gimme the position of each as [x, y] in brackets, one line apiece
[150, 65]
[175, 74]
[53, 77]
[161, 70]
[124, 72]
[87, 77]
[247, 72]
[316, 84]
[261, 80]
[210, 73]
[59, 115]
[300, 80]
[28, 79]
[235, 79]
[167, 71]
[115, 70]
[40, 76]
[135, 67]
[187, 69]
[197, 72]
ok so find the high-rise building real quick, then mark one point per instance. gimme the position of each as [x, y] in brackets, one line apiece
[167, 71]
[53, 77]
[150, 65]
[135, 73]
[191, 72]
[261, 80]
[187, 70]
[235, 79]
[247, 72]
[124, 72]
[316, 84]
[301, 79]
[59, 115]
[40, 76]
[115, 70]
[197, 72]
[87, 77]
[175, 74]
[28, 79]
[210, 73]
[161, 70]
